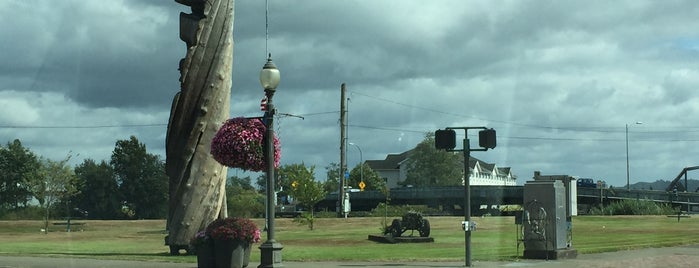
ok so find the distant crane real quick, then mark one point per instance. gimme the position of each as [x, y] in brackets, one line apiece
[675, 184]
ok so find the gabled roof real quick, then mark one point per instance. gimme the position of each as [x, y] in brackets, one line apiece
[483, 165]
[504, 171]
[488, 167]
[392, 161]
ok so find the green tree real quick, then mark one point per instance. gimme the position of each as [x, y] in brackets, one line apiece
[243, 200]
[58, 184]
[371, 178]
[428, 166]
[142, 180]
[18, 168]
[240, 184]
[99, 193]
[304, 188]
[281, 184]
[332, 180]
[261, 183]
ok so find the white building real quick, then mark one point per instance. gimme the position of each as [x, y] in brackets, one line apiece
[395, 171]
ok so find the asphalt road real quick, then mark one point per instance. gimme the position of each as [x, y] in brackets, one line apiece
[679, 256]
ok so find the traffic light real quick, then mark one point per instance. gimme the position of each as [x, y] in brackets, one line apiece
[445, 139]
[486, 138]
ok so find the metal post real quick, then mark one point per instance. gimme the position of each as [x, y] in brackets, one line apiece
[361, 164]
[361, 161]
[467, 201]
[270, 250]
[628, 182]
[467, 188]
[628, 185]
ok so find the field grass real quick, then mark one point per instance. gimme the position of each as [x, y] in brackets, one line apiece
[346, 239]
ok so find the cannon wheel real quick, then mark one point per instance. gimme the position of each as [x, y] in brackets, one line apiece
[396, 228]
[425, 228]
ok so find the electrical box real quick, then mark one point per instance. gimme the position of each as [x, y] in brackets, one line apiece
[348, 205]
[468, 226]
[544, 219]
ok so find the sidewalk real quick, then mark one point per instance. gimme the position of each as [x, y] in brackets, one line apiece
[680, 256]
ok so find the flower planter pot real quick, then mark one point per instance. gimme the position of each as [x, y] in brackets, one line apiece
[205, 256]
[246, 257]
[230, 254]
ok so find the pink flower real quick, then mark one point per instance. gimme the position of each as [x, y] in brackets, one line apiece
[256, 236]
[239, 143]
[239, 229]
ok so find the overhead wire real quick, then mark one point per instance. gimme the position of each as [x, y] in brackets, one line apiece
[82, 127]
[576, 129]
[619, 129]
[398, 129]
[133, 125]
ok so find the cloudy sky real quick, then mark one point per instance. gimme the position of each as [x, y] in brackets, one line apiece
[558, 80]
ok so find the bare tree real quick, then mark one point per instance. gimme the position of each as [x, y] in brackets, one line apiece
[57, 182]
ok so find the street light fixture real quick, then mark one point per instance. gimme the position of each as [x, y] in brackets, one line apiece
[361, 162]
[270, 250]
[628, 185]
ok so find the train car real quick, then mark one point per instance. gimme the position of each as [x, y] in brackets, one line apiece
[586, 183]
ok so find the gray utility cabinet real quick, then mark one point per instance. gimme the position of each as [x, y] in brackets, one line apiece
[545, 228]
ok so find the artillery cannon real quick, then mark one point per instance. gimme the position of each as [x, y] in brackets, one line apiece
[411, 221]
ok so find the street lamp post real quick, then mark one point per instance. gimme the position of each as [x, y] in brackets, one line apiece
[361, 162]
[270, 250]
[628, 185]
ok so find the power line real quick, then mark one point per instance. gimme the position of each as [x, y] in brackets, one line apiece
[533, 138]
[577, 129]
[388, 129]
[82, 127]
[125, 125]
[443, 112]
[320, 113]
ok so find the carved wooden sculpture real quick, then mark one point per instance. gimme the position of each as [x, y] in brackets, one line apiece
[197, 181]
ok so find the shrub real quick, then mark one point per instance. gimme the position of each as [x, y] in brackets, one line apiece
[399, 211]
[245, 204]
[633, 207]
[306, 218]
[23, 213]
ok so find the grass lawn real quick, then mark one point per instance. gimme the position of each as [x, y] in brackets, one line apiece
[346, 239]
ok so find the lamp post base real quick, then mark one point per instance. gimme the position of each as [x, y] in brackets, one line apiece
[271, 254]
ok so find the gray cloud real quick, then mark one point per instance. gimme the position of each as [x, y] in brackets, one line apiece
[557, 79]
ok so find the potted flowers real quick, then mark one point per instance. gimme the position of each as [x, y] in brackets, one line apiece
[202, 245]
[239, 143]
[232, 238]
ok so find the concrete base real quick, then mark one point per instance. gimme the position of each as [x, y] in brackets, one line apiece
[568, 253]
[271, 254]
[401, 239]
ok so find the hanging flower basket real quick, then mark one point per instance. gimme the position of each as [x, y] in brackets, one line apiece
[240, 144]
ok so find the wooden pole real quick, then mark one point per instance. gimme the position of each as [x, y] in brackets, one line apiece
[197, 181]
[343, 148]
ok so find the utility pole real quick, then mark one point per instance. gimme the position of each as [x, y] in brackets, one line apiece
[343, 148]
